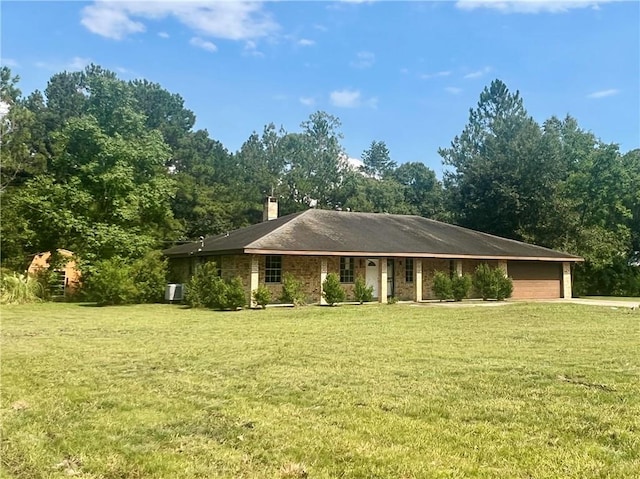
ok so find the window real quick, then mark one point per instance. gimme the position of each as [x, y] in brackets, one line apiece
[273, 269]
[346, 270]
[408, 270]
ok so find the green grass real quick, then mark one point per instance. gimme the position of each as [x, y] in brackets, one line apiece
[521, 391]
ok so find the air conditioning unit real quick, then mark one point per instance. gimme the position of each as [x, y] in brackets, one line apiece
[174, 292]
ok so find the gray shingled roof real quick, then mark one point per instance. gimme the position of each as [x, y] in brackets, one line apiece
[325, 232]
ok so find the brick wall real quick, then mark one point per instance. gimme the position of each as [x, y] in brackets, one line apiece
[306, 269]
[403, 291]
[429, 267]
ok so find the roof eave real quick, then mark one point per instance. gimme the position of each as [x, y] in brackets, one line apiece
[373, 254]
[198, 253]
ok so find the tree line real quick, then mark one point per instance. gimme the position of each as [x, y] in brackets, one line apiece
[112, 168]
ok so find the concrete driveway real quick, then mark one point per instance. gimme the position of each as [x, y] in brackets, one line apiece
[471, 303]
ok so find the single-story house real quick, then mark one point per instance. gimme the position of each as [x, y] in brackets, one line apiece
[396, 254]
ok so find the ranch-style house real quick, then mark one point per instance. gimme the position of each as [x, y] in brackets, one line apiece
[396, 254]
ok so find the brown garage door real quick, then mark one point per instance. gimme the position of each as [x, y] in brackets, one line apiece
[535, 279]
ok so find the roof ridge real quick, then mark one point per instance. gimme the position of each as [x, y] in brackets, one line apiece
[291, 217]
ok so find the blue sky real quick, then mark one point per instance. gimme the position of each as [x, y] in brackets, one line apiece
[402, 72]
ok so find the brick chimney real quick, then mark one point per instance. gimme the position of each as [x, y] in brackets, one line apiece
[270, 211]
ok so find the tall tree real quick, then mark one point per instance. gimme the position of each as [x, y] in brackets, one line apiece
[376, 160]
[494, 185]
[315, 162]
[422, 190]
[106, 190]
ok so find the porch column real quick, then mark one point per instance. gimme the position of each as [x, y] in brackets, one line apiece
[417, 265]
[458, 265]
[323, 277]
[382, 290]
[566, 280]
[502, 264]
[254, 280]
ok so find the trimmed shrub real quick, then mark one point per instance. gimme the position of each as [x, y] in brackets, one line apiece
[235, 297]
[491, 283]
[262, 296]
[217, 294]
[17, 288]
[460, 286]
[199, 287]
[291, 290]
[442, 287]
[362, 292]
[504, 287]
[207, 290]
[332, 290]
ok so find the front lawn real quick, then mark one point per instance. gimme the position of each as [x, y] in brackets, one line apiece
[386, 391]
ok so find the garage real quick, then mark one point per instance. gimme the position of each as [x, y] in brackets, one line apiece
[535, 279]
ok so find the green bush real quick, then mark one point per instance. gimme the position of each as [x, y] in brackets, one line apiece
[110, 282]
[460, 286]
[332, 290]
[504, 289]
[235, 297]
[442, 287]
[200, 286]
[291, 290]
[150, 277]
[17, 288]
[207, 290]
[262, 296]
[362, 292]
[491, 283]
[218, 294]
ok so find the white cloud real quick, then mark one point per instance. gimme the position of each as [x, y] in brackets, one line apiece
[453, 90]
[363, 60]
[109, 21]
[9, 62]
[251, 49]
[478, 73]
[78, 63]
[351, 99]
[355, 163]
[529, 6]
[163, 35]
[428, 76]
[307, 100]
[204, 44]
[4, 109]
[603, 93]
[345, 98]
[237, 20]
[74, 64]
[305, 42]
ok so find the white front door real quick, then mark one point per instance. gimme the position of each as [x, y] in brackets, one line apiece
[372, 275]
